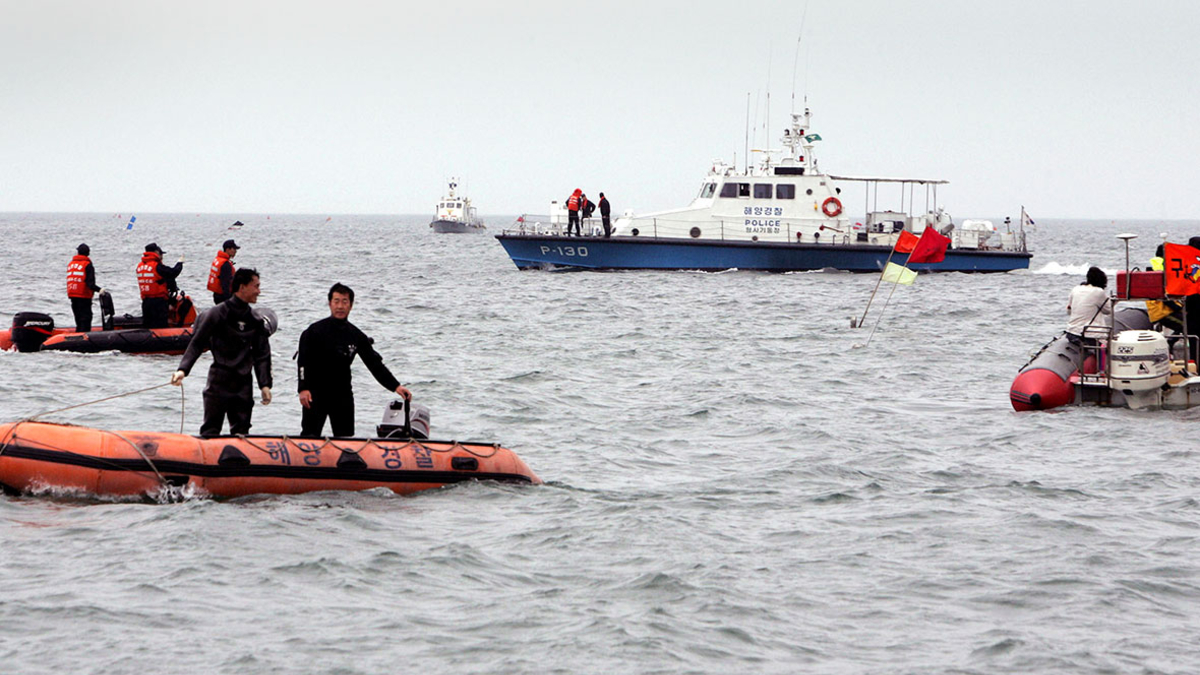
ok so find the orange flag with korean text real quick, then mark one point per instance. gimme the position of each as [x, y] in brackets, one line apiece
[907, 242]
[1181, 265]
[930, 248]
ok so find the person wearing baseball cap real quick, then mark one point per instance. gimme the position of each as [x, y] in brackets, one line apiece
[155, 283]
[82, 287]
[220, 274]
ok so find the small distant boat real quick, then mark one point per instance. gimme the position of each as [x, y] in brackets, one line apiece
[778, 216]
[455, 213]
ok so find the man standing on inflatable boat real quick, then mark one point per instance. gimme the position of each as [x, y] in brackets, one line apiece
[327, 348]
[220, 273]
[156, 281]
[240, 341]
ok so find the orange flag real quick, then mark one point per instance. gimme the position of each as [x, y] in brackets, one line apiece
[907, 242]
[1181, 264]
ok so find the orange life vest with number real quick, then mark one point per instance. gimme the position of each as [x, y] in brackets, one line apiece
[214, 272]
[150, 284]
[77, 278]
[573, 203]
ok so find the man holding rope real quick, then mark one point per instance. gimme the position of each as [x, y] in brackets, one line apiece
[239, 342]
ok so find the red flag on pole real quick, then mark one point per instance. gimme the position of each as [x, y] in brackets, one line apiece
[906, 242]
[931, 248]
[1181, 264]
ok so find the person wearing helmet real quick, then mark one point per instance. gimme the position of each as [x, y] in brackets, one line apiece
[327, 348]
[240, 343]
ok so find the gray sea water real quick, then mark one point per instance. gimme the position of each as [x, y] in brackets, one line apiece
[735, 482]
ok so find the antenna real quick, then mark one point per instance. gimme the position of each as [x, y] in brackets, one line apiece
[796, 59]
[767, 113]
[747, 131]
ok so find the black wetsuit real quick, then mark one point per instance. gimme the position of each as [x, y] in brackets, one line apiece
[155, 311]
[239, 343]
[327, 348]
[82, 307]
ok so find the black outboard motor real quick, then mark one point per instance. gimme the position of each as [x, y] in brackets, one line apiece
[106, 311]
[30, 330]
[399, 423]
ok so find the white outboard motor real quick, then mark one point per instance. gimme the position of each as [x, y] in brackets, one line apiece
[1140, 366]
[399, 422]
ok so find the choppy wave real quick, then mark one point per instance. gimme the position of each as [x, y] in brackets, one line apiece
[735, 482]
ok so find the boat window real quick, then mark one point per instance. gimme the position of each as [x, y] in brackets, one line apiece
[785, 191]
[743, 189]
[458, 205]
[762, 190]
[707, 190]
[729, 190]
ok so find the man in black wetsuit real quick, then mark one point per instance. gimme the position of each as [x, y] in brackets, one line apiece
[239, 342]
[327, 349]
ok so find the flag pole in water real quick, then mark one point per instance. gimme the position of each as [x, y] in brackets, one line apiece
[897, 274]
[132, 220]
[872, 298]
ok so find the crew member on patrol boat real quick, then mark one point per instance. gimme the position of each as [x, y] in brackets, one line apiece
[574, 203]
[605, 211]
[155, 282]
[239, 342]
[81, 287]
[327, 348]
[220, 274]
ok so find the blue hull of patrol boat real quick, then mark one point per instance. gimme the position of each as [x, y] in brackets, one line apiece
[643, 253]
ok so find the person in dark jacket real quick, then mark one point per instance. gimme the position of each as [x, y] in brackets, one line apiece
[240, 342]
[586, 209]
[155, 282]
[220, 273]
[605, 210]
[327, 348]
[81, 287]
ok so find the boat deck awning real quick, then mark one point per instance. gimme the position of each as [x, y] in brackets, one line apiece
[868, 179]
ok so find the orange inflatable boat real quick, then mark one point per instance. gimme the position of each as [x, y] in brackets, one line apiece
[36, 456]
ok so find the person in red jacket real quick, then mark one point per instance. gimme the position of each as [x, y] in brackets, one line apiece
[155, 282]
[220, 275]
[81, 287]
[574, 203]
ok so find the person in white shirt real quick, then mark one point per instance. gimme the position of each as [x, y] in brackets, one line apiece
[1089, 304]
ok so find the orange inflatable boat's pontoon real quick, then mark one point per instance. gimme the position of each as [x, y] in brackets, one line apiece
[37, 456]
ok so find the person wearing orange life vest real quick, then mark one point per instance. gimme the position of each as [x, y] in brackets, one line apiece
[574, 203]
[220, 274]
[81, 287]
[155, 282]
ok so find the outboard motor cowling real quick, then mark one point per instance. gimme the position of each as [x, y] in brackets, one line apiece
[30, 330]
[106, 310]
[398, 422]
[1141, 364]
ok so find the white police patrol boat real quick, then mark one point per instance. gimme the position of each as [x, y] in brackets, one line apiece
[454, 212]
[781, 215]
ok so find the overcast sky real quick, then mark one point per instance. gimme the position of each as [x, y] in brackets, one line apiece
[1073, 108]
